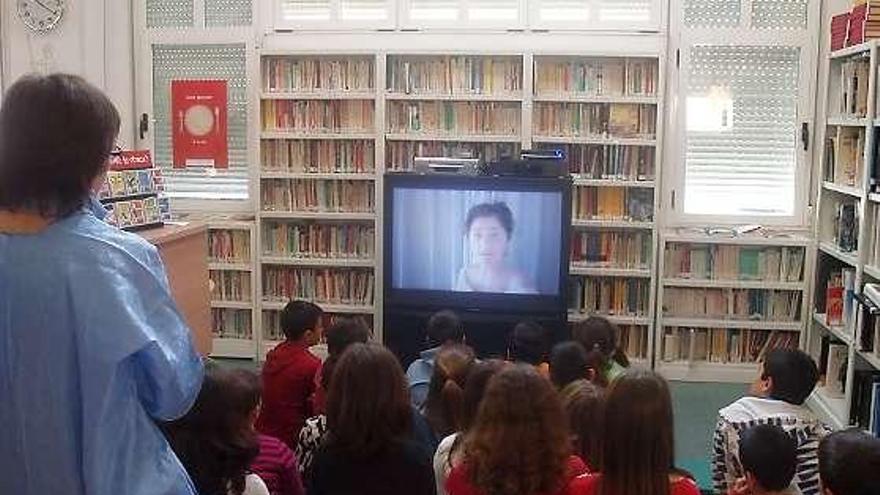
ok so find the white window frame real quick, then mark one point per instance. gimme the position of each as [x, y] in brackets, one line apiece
[681, 40]
[462, 22]
[658, 23]
[335, 23]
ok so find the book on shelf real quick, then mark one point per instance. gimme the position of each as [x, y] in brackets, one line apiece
[454, 118]
[230, 285]
[319, 240]
[612, 203]
[400, 155]
[874, 259]
[351, 286]
[839, 298]
[318, 156]
[454, 75]
[864, 23]
[595, 120]
[596, 76]
[318, 116]
[724, 345]
[612, 249]
[729, 262]
[865, 409]
[732, 304]
[844, 156]
[318, 195]
[231, 323]
[633, 339]
[835, 367]
[839, 30]
[846, 226]
[609, 296]
[854, 75]
[608, 161]
[229, 245]
[310, 74]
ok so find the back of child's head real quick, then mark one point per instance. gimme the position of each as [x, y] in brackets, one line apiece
[793, 374]
[583, 402]
[341, 334]
[443, 407]
[528, 343]
[849, 463]
[598, 335]
[444, 327]
[298, 317]
[769, 454]
[568, 363]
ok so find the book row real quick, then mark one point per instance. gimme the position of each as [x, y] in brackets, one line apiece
[318, 240]
[318, 156]
[723, 345]
[596, 77]
[135, 213]
[612, 203]
[726, 262]
[446, 117]
[843, 156]
[617, 120]
[865, 410]
[608, 161]
[846, 226]
[400, 155]
[122, 183]
[609, 296]
[318, 195]
[318, 116]
[853, 97]
[455, 75]
[612, 249]
[317, 74]
[231, 323]
[633, 339]
[840, 298]
[272, 323]
[874, 255]
[833, 362]
[328, 286]
[732, 304]
[229, 245]
[230, 285]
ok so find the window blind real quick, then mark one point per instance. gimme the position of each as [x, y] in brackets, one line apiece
[341, 12]
[636, 15]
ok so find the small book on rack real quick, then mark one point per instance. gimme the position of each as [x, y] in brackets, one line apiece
[846, 227]
[857, 18]
[839, 30]
[835, 371]
[866, 395]
[133, 191]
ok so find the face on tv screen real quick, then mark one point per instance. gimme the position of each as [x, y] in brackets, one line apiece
[501, 242]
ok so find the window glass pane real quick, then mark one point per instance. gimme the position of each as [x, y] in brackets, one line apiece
[305, 10]
[712, 13]
[226, 62]
[633, 12]
[779, 14]
[364, 10]
[564, 10]
[493, 10]
[169, 13]
[227, 12]
[433, 10]
[741, 123]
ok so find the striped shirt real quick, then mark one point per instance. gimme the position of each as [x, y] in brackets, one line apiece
[798, 421]
[276, 465]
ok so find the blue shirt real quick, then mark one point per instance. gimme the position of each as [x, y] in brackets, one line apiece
[92, 352]
[419, 376]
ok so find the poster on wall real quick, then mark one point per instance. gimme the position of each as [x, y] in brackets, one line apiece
[199, 136]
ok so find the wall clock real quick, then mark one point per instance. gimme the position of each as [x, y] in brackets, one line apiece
[41, 16]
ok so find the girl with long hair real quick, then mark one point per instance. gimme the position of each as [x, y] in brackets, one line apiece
[599, 338]
[583, 402]
[443, 408]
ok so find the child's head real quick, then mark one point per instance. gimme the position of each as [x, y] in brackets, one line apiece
[215, 440]
[637, 445]
[583, 402]
[769, 458]
[301, 322]
[849, 463]
[341, 334]
[599, 336]
[568, 363]
[789, 375]
[443, 407]
[444, 327]
[528, 344]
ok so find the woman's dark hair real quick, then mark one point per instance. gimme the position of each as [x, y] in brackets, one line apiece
[56, 134]
[528, 343]
[498, 210]
[368, 407]
[215, 440]
[445, 401]
[637, 447]
[568, 363]
[474, 390]
[793, 372]
[341, 334]
[769, 454]
[519, 442]
[599, 338]
[584, 403]
[849, 463]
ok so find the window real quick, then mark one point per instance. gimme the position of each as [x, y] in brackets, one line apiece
[315, 14]
[503, 14]
[741, 93]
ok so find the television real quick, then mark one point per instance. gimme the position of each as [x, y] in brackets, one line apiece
[476, 243]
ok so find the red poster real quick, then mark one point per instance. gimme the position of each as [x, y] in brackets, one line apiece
[199, 113]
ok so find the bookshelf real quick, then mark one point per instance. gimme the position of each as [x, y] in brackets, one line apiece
[724, 301]
[231, 249]
[846, 233]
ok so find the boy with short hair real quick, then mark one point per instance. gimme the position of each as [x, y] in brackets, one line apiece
[444, 327]
[769, 459]
[289, 373]
[787, 377]
[528, 344]
[849, 463]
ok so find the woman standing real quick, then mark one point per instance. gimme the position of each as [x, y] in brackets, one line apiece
[92, 348]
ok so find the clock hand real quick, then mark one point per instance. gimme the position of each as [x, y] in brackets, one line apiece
[41, 4]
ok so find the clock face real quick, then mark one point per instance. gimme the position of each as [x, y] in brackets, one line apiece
[40, 15]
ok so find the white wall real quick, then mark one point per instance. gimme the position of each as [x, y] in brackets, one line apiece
[94, 40]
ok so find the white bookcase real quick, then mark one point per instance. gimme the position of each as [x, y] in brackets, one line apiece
[850, 131]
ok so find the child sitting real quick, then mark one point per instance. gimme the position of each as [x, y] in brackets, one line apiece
[528, 344]
[769, 460]
[849, 463]
[598, 336]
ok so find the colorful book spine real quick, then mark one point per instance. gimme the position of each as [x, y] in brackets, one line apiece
[317, 240]
[349, 286]
[612, 203]
[467, 75]
[316, 156]
[611, 249]
[229, 245]
[729, 262]
[608, 161]
[596, 77]
[609, 296]
[231, 323]
[454, 118]
[723, 345]
[309, 74]
[331, 196]
[732, 304]
[230, 285]
[595, 120]
[318, 116]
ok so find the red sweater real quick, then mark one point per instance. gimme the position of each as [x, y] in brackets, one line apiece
[458, 483]
[288, 384]
[276, 465]
[588, 484]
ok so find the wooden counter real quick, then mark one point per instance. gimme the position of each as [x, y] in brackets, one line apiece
[184, 251]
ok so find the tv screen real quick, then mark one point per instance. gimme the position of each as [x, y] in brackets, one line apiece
[479, 242]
